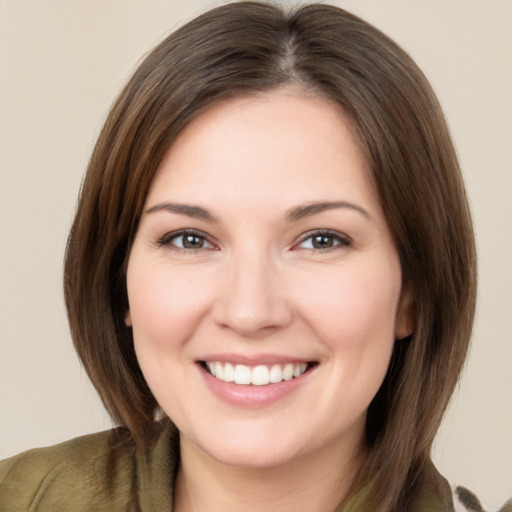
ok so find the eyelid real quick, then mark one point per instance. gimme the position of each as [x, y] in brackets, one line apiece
[165, 240]
[344, 240]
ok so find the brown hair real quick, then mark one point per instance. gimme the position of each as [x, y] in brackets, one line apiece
[248, 47]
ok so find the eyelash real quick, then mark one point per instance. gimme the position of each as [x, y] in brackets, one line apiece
[166, 240]
[339, 240]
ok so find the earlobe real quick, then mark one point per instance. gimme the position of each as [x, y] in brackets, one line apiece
[404, 321]
[128, 319]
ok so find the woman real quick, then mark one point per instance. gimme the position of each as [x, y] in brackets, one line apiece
[273, 254]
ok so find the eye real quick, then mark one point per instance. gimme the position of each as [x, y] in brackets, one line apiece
[324, 241]
[187, 240]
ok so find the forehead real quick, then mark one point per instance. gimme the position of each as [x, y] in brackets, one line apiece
[283, 142]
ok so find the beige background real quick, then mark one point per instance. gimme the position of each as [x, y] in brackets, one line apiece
[62, 62]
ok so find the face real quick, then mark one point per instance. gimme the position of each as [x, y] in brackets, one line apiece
[265, 290]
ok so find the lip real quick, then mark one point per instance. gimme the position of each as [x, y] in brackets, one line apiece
[251, 396]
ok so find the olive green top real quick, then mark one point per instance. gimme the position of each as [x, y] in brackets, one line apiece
[104, 473]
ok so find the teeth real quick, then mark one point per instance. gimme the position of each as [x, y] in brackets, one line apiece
[297, 371]
[276, 374]
[219, 371]
[229, 373]
[288, 372]
[260, 375]
[242, 374]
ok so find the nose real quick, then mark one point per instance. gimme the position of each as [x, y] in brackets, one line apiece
[253, 302]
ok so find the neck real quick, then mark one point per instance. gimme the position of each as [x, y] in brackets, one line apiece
[311, 482]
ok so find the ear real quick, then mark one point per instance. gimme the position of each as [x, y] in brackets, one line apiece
[404, 320]
[128, 319]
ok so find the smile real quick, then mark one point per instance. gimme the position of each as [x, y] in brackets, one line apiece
[260, 375]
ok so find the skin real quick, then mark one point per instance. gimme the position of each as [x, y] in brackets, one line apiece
[256, 284]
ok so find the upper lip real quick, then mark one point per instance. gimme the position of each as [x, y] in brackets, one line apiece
[254, 359]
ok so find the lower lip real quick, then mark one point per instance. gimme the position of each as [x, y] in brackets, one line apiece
[252, 396]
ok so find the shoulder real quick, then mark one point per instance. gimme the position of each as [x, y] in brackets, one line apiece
[431, 491]
[93, 472]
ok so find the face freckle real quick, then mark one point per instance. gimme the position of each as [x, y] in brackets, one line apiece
[263, 257]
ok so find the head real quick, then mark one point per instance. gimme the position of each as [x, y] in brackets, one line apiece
[242, 50]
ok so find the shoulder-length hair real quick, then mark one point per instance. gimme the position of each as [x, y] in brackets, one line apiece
[249, 47]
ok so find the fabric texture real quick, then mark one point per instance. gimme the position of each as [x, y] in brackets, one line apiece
[104, 473]
[99, 472]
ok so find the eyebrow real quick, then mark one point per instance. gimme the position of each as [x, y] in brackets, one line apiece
[195, 212]
[308, 209]
[292, 215]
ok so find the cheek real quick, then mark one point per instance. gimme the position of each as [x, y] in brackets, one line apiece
[351, 313]
[164, 307]
[352, 308]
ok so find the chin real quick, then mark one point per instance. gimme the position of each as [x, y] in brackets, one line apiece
[248, 457]
[254, 451]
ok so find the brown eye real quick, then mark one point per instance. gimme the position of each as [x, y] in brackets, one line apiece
[192, 241]
[324, 240]
[186, 240]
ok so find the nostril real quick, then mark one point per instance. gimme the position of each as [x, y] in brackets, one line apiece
[252, 315]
